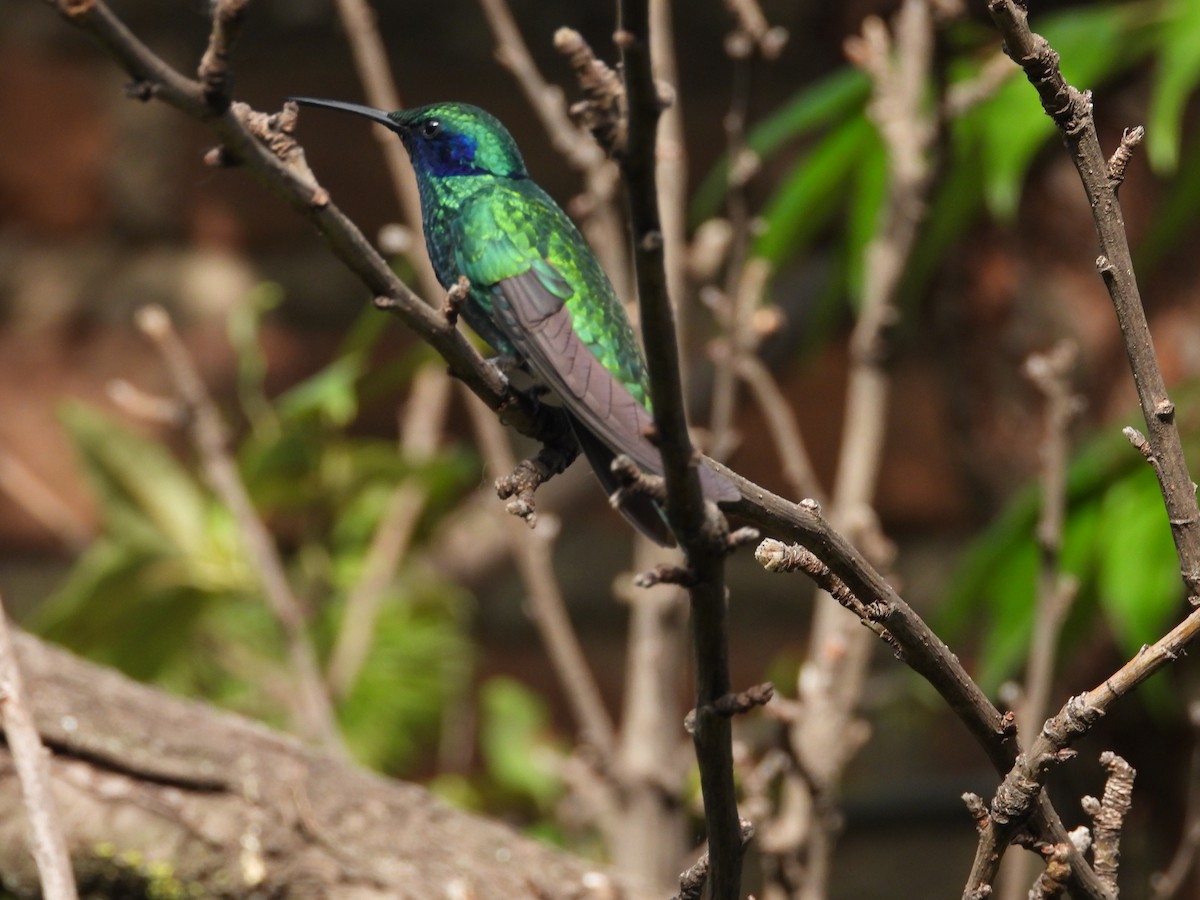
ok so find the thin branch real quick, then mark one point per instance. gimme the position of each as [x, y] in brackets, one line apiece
[744, 282]
[1071, 111]
[531, 552]
[379, 87]
[652, 836]
[227, 19]
[701, 530]
[1053, 880]
[1050, 372]
[419, 436]
[693, 880]
[672, 173]
[1108, 816]
[548, 101]
[313, 710]
[46, 841]
[264, 145]
[830, 683]
[37, 498]
[796, 464]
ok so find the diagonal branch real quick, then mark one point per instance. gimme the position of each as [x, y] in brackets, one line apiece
[1071, 111]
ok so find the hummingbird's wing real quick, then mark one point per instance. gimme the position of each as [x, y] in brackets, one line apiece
[540, 325]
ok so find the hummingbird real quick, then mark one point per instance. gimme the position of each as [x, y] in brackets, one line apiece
[537, 293]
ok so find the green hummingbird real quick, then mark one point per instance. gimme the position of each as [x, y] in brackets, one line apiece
[537, 292]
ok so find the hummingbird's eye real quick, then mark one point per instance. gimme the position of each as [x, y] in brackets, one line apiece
[431, 128]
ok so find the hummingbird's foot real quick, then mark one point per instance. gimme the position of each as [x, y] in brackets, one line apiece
[506, 364]
[456, 299]
[519, 486]
[632, 480]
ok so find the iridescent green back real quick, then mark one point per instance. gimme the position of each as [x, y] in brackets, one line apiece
[491, 226]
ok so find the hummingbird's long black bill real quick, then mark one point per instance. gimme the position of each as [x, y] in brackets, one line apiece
[368, 112]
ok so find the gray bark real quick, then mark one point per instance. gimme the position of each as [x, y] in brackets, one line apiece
[153, 788]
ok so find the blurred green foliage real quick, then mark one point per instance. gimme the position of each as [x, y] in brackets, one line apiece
[1116, 543]
[830, 194]
[167, 593]
[828, 199]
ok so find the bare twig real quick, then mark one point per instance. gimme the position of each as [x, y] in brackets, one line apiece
[694, 879]
[419, 437]
[1052, 882]
[227, 19]
[379, 86]
[672, 174]
[313, 710]
[652, 835]
[264, 145]
[830, 683]
[1071, 111]
[750, 39]
[781, 422]
[37, 498]
[1108, 816]
[46, 840]
[531, 552]
[548, 100]
[700, 529]
[1050, 372]
[754, 29]
[602, 111]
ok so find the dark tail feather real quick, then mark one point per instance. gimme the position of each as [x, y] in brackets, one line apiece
[642, 512]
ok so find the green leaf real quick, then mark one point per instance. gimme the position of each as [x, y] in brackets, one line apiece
[513, 730]
[124, 607]
[329, 396]
[813, 192]
[140, 488]
[1177, 76]
[1138, 576]
[418, 665]
[835, 97]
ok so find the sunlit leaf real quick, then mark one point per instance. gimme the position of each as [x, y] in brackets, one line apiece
[514, 725]
[806, 202]
[1138, 576]
[1177, 76]
[827, 101]
[329, 395]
